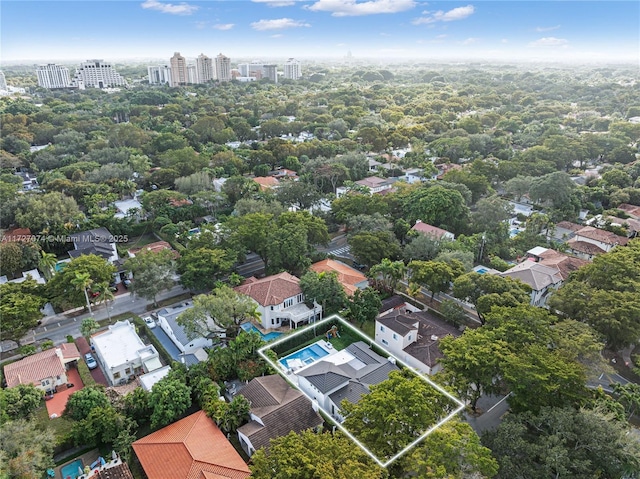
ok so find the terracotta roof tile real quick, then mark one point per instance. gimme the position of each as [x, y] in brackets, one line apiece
[120, 471]
[46, 364]
[347, 276]
[429, 230]
[16, 234]
[266, 182]
[566, 264]
[271, 290]
[606, 237]
[187, 448]
[631, 210]
[584, 247]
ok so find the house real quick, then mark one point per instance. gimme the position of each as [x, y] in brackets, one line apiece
[563, 231]
[108, 471]
[350, 278]
[267, 183]
[589, 242]
[16, 235]
[564, 263]
[414, 337]
[122, 354]
[433, 231]
[128, 207]
[632, 225]
[33, 274]
[191, 448]
[147, 381]
[280, 300]
[374, 184]
[632, 210]
[186, 342]
[29, 180]
[98, 241]
[542, 279]
[276, 410]
[45, 370]
[284, 174]
[340, 375]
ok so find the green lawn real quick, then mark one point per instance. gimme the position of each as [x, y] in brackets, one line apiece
[61, 426]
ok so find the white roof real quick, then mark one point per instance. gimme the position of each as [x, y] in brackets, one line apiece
[537, 251]
[148, 380]
[125, 205]
[119, 344]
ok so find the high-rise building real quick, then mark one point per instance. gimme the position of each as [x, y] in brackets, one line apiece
[271, 72]
[3, 82]
[192, 74]
[159, 75]
[97, 74]
[178, 70]
[53, 76]
[205, 70]
[223, 68]
[292, 69]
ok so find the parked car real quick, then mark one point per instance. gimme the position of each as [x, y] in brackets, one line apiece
[91, 363]
[150, 322]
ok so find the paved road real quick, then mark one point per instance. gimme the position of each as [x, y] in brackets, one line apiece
[494, 407]
[605, 380]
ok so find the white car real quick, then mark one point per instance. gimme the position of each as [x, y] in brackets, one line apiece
[150, 322]
[91, 363]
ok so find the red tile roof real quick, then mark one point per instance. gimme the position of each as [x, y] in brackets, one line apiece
[192, 448]
[266, 182]
[429, 230]
[603, 236]
[347, 276]
[39, 366]
[566, 264]
[631, 210]
[271, 290]
[16, 234]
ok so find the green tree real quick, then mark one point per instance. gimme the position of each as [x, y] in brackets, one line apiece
[83, 401]
[170, 398]
[83, 282]
[423, 248]
[47, 264]
[19, 309]
[438, 206]
[436, 276]
[104, 295]
[10, 258]
[26, 451]
[51, 213]
[451, 451]
[229, 416]
[563, 442]
[19, 402]
[386, 425]
[88, 327]
[364, 305]
[136, 405]
[102, 427]
[453, 312]
[288, 250]
[372, 248]
[325, 289]
[218, 314]
[390, 273]
[202, 268]
[61, 289]
[152, 273]
[309, 455]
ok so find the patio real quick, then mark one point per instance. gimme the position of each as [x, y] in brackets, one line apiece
[87, 458]
[56, 405]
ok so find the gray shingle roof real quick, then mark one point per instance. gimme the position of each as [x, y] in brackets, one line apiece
[361, 351]
[325, 376]
[352, 392]
[398, 324]
[282, 409]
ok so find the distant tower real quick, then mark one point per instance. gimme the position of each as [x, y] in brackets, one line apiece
[205, 70]
[223, 68]
[97, 74]
[159, 75]
[3, 82]
[192, 74]
[292, 69]
[178, 70]
[53, 76]
[271, 72]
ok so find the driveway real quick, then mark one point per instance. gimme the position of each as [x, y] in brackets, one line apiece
[96, 374]
[494, 407]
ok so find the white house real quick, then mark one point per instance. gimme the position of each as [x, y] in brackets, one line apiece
[589, 242]
[147, 381]
[122, 354]
[414, 337]
[186, 342]
[373, 183]
[280, 300]
[542, 279]
[346, 374]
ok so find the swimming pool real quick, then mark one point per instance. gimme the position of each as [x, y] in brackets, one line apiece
[307, 355]
[481, 270]
[266, 337]
[72, 470]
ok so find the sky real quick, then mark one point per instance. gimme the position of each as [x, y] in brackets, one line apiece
[115, 30]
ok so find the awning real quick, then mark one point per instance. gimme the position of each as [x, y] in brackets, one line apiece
[152, 364]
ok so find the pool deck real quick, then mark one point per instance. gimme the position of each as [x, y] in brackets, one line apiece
[87, 458]
[56, 405]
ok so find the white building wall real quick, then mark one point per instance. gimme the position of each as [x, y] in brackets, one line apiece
[292, 69]
[53, 76]
[223, 68]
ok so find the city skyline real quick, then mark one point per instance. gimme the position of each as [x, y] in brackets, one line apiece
[378, 29]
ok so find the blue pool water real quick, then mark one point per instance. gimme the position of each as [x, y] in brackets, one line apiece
[71, 470]
[60, 265]
[307, 355]
[481, 271]
[266, 337]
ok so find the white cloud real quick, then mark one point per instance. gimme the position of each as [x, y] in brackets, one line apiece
[276, 3]
[181, 9]
[354, 8]
[458, 13]
[504, 40]
[278, 24]
[550, 42]
[547, 29]
[224, 26]
[277, 35]
[469, 41]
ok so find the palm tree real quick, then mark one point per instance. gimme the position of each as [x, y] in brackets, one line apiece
[82, 281]
[104, 296]
[391, 272]
[47, 264]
